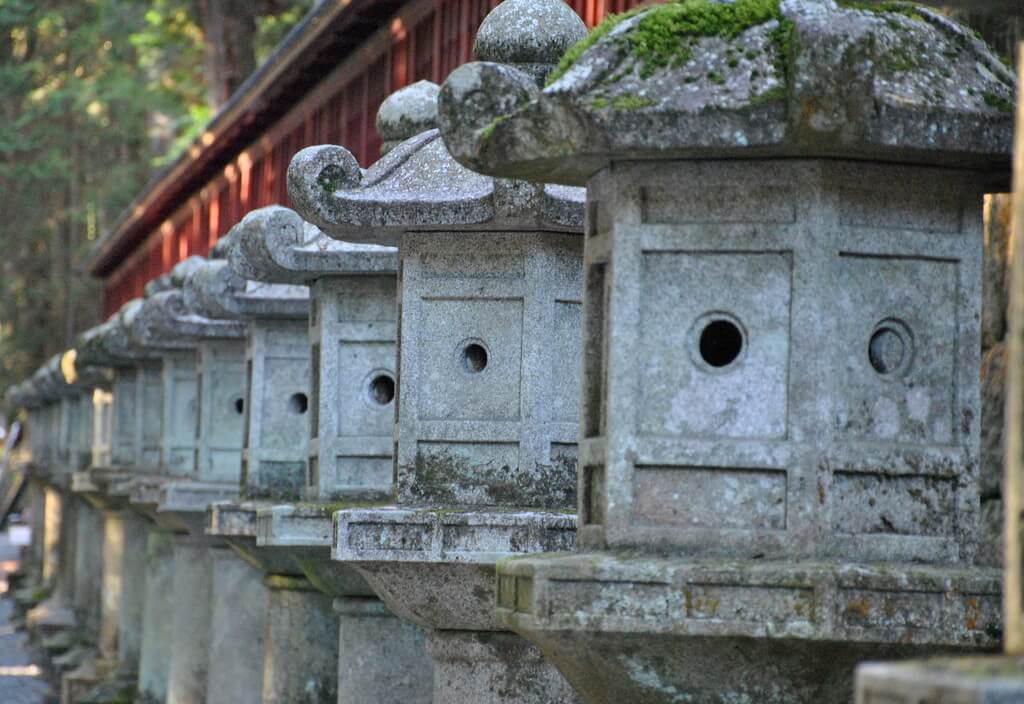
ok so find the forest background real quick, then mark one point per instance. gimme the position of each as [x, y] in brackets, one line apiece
[95, 97]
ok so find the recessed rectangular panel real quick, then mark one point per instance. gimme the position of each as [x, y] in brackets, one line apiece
[614, 599]
[893, 353]
[472, 264]
[226, 394]
[288, 338]
[870, 503]
[714, 344]
[469, 353]
[739, 604]
[902, 208]
[284, 411]
[386, 536]
[365, 300]
[365, 382]
[878, 609]
[710, 497]
[566, 361]
[371, 473]
[722, 204]
[471, 538]
[472, 473]
[225, 465]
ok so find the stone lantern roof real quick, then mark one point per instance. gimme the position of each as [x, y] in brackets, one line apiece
[216, 290]
[417, 185]
[894, 82]
[165, 320]
[109, 344]
[274, 244]
[48, 379]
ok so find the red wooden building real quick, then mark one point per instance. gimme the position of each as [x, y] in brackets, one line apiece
[322, 86]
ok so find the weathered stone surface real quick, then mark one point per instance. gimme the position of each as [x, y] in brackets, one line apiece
[274, 244]
[407, 112]
[238, 626]
[493, 668]
[991, 547]
[436, 568]
[236, 522]
[528, 35]
[190, 646]
[382, 659]
[215, 290]
[754, 78]
[997, 680]
[158, 617]
[301, 659]
[633, 628]
[993, 399]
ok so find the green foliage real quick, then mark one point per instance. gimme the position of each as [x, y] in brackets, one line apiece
[97, 94]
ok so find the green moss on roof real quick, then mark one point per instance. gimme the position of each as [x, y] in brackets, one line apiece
[909, 9]
[663, 35]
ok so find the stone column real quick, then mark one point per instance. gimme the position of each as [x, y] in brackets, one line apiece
[238, 630]
[192, 606]
[351, 329]
[378, 659]
[766, 312]
[158, 618]
[299, 621]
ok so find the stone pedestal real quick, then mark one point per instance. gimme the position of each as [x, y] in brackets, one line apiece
[380, 658]
[88, 561]
[301, 658]
[187, 675]
[238, 626]
[158, 618]
[493, 668]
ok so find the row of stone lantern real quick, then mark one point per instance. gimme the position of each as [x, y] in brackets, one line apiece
[721, 293]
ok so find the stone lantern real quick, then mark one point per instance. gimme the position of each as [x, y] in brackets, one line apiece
[110, 542]
[203, 566]
[488, 338]
[779, 431]
[55, 422]
[352, 341]
[272, 470]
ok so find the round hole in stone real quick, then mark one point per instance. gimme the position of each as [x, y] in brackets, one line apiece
[720, 343]
[382, 389]
[474, 357]
[239, 406]
[886, 350]
[298, 403]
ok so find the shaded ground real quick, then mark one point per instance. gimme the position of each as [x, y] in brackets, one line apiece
[20, 679]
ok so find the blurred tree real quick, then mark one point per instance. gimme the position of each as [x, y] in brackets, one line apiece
[97, 95]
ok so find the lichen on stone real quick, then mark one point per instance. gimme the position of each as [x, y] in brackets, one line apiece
[661, 37]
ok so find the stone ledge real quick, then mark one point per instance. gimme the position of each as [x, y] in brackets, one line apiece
[448, 535]
[971, 680]
[633, 594]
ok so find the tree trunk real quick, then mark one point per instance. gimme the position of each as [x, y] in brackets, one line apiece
[229, 32]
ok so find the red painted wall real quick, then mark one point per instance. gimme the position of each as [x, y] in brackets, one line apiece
[438, 42]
